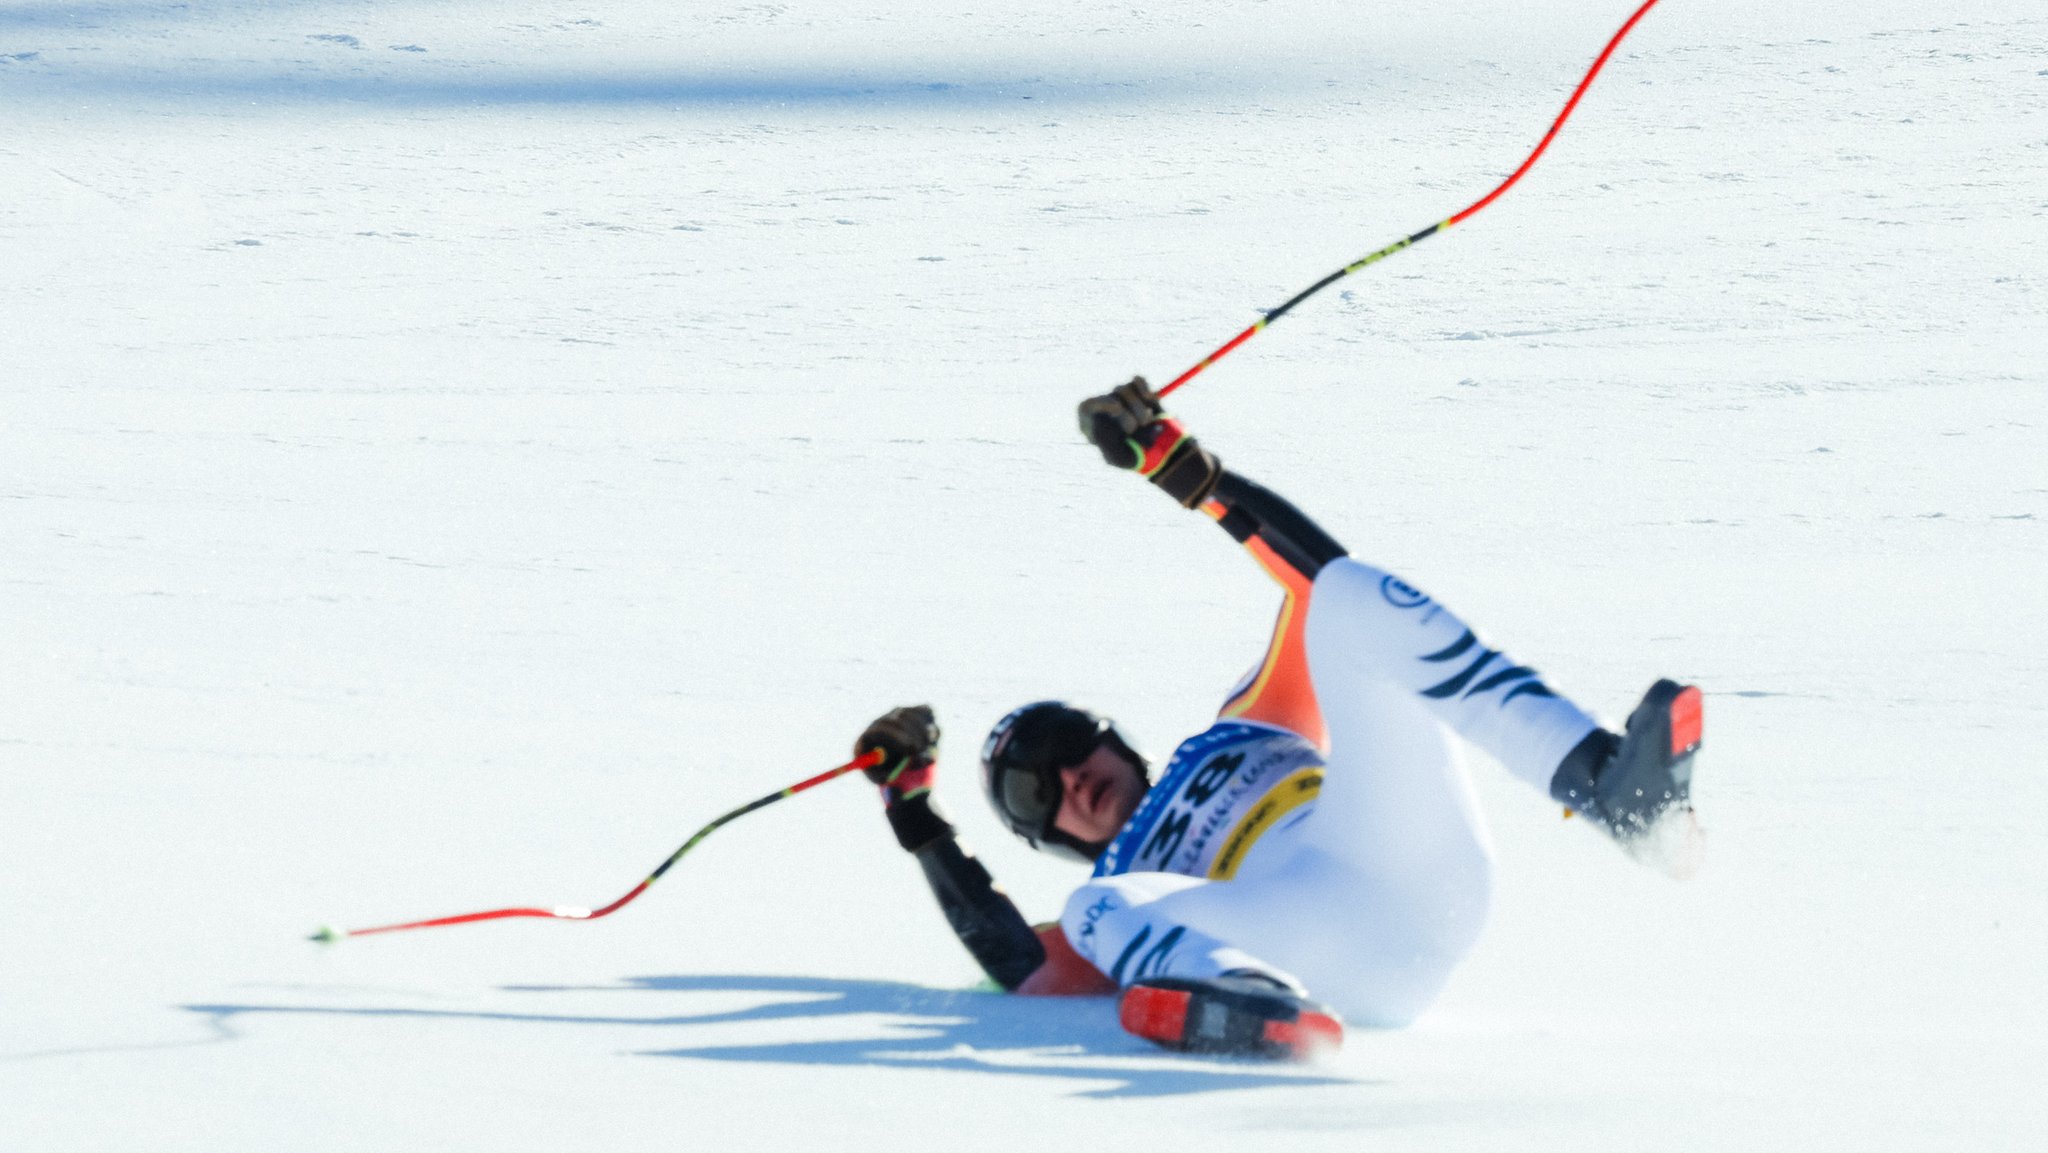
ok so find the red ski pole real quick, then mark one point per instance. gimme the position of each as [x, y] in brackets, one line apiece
[1425, 234]
[328, 934]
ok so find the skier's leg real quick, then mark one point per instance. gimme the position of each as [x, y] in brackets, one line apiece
[1185, 987]
[1162, 925]
[1366, 626]
[1377, 942]
[1386, 884]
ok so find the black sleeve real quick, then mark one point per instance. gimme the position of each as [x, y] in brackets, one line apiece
[1252, 510]
[982, 915]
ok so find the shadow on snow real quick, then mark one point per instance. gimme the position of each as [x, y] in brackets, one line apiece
[766, 88]
[918, 1028]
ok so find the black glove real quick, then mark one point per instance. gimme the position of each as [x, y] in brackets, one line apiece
[909, 740]
[1132, 431]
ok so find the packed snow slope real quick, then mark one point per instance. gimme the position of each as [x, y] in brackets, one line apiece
[449, 451]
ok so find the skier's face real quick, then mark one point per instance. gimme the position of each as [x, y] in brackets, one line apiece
[1099, 795]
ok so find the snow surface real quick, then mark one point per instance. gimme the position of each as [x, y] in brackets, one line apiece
[452, 450]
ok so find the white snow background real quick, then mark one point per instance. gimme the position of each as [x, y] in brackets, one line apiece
[450, 451]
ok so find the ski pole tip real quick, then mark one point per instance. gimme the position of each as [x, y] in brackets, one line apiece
[327, 935]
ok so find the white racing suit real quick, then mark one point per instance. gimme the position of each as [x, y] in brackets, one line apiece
[1362, 875]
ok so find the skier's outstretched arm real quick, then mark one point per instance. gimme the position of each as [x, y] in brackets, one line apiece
[981, 914]
[1132, 431]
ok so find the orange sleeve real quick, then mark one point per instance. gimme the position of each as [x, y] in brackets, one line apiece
[1280, 692]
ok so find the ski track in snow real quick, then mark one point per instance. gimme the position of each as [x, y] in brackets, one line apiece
[449, 451]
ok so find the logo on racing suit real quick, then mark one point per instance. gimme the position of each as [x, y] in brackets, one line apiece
[1402, 595]
[1300, 788]
[1085, 943]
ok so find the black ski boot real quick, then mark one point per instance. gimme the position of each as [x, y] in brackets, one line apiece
[1631, 786]
[1251, 1015]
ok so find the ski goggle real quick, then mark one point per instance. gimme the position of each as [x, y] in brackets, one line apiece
[1024, 755]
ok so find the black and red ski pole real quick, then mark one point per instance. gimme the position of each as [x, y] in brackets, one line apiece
[329, 934]
[1418, 237]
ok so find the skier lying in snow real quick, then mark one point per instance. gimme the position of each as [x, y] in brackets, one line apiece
[1320, 836]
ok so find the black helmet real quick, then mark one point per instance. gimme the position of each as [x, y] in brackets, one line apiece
[1021, 763]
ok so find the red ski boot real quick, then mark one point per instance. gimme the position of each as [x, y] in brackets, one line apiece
[1251, 1016]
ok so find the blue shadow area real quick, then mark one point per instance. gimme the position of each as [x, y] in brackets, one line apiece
[765, 88]
[86, 16]
[992, 1034]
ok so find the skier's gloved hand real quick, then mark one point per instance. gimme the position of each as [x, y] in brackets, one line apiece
[908, 738]
[1114, 418]
[1132, 431]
